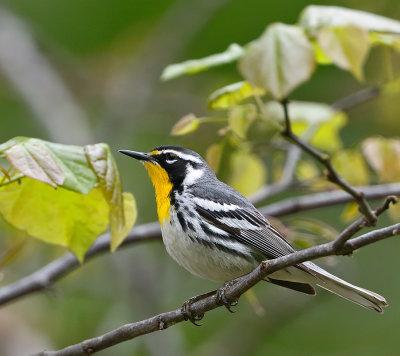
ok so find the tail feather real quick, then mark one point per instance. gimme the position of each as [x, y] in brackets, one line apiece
[358, 295]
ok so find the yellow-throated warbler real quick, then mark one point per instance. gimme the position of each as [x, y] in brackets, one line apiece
[216, 233]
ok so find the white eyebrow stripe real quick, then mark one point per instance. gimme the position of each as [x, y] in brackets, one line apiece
[184, 156]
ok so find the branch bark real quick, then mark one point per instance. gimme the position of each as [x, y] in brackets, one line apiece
[52, 272]
[325, 199]
[232, 293]
[43, 278]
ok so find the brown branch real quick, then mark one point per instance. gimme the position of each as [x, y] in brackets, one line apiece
[244, 283]
[43, 278]
[325, 199]
[325, 160]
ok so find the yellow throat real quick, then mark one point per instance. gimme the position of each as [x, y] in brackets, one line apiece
[163, 187]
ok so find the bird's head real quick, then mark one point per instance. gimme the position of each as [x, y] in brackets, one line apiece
[172, 165]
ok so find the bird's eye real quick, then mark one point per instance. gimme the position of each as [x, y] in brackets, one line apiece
[170, 158]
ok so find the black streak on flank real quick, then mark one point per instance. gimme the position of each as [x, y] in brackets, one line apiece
[190, 226]
[220, 246]
[181, 220]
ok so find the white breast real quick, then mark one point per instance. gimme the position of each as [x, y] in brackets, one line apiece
[202, 258]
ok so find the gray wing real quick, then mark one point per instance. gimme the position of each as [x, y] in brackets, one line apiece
[234, 214]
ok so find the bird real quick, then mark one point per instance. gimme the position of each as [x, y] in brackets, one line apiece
[215, 233]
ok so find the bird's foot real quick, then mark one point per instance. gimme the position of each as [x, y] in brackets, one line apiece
[187, 308]
[221, 298]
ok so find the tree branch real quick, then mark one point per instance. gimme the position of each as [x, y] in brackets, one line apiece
[232, 293]
[44, 277]
[55, 270]
[325, 160]
[325, 199]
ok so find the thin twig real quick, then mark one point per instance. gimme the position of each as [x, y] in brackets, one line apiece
[360, 223]
[325, 160]
[165, 320]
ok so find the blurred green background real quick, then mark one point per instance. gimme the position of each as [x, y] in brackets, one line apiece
[88, 71]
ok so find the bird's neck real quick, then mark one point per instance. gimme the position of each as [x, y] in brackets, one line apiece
[163, 186]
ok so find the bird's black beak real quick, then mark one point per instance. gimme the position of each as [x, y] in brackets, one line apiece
[140, 156]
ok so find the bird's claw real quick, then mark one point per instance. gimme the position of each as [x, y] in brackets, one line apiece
[187, 310]
[221, 298]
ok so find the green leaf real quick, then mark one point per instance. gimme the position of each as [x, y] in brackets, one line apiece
[51, 163]
[351, 166]
[185, 125]
[58, 216]
[233, 53]
[279, 61]
[105, 168]
[314, 17]
[248, 172]
[232, 95]
[347, 46]
[240, 118]
[383, 155]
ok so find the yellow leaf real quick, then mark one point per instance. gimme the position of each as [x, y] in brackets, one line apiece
[185, 125]
[347, 46]
[130, 215]
[394, 212]
[314, 122]
[351, 166]
[327, 137]
[320, 55]
[248, 172]
[58, 216]
[350, 212]
[104, 166]
[384, 157]
[306, 170]
[240, 118]
[232, 95]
